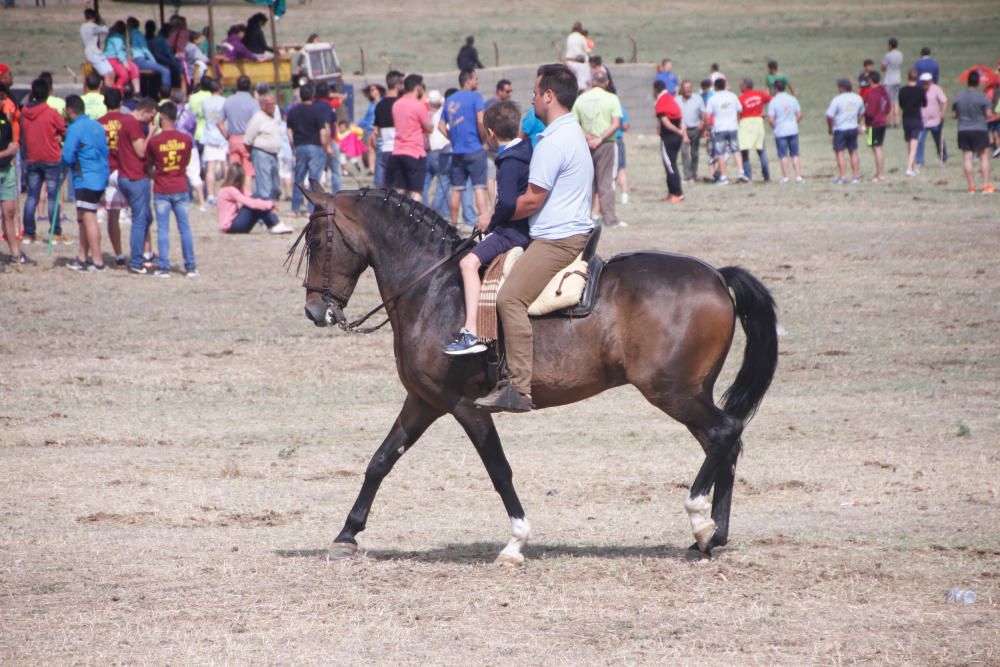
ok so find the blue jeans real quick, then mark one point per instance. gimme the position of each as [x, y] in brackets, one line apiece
[381, 162]
[178, 203]
[919, 159]
[310, 160]
[164, 72]
[764, 167]
[438, 166]
[333, 164]
[137, 195]
[469, 203]
[266, 184]
[37, 172]
[247, 217]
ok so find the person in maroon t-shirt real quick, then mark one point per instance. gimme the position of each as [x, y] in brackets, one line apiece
[132, 179]
[113, 200]
[168, 153]
[672, 136]
[877, 107]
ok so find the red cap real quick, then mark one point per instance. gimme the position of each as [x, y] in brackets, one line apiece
[4, 69]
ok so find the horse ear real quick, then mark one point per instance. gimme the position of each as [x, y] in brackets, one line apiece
[317, 199]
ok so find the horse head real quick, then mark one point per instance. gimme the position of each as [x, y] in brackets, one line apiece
[336, 254]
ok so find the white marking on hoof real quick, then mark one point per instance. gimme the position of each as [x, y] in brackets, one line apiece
[341, 551]
[520, 531]
[699, 511]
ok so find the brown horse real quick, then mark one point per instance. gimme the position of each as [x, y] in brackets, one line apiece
[662, 322]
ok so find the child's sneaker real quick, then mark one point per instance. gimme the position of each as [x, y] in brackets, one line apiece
[466, 343]
[77, 265]
[161, 273]
[989, 189]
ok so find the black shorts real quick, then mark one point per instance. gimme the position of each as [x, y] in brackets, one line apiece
[876, 136]
[911, 131]
[88, 200]
[845, 140]
[973, 140]
[406, 173]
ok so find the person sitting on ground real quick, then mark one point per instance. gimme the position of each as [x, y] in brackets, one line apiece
[85, 154]
[502, 121]
[238, 213]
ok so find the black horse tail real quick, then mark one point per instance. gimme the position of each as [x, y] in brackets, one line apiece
[756, 310]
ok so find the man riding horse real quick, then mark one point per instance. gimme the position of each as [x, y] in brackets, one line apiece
[558, 202]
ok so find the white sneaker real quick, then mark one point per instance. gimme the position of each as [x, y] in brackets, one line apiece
[624, 198]
[799, 179]
[912, 172]
[621, 224]
[281, 228]
[784, 181]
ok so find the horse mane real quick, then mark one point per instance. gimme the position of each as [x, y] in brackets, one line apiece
[425, 225]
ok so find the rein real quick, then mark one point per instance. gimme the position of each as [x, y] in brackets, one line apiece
[328, 295]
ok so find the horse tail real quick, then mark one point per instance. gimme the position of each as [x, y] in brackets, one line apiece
[756, 309]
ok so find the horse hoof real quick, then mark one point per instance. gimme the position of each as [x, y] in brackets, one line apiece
[696, 553]
[704, 536]
[341, 551]
[510, 560]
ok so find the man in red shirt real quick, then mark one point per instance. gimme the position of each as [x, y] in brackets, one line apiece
[168, 153]
[411, 117]
[132, 179]
[878, 104]
[672, 136]
[113, 200]
[752, 133]
[43, 131]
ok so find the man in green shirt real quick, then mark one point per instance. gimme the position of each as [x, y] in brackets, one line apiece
[93, 99]
[599, 113]
[774, 75]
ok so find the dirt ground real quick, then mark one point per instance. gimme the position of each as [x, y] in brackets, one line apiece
[176, 455]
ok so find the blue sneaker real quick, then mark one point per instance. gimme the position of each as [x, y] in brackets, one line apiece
[466, 343]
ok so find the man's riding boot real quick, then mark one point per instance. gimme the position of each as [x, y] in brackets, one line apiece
[505, 398]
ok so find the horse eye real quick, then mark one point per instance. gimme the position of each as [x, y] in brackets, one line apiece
[315, 245]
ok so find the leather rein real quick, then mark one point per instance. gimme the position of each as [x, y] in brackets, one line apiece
[332, 298]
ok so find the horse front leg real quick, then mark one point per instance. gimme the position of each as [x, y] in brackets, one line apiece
[414, 418]
[479, 426]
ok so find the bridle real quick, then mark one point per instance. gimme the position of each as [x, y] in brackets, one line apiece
[331, 298]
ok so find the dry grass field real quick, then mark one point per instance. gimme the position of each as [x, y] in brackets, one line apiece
[176, 455]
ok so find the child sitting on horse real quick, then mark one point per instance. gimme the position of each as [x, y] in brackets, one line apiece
[502, 122]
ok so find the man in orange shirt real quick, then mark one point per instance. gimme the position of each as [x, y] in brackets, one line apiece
[752, 133]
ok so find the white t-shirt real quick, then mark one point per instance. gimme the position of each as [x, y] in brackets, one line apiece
[844, 110]
[724, 107]
[562, 164]
[90, 33]
[893, 61]
[437, 141]
[576, 45]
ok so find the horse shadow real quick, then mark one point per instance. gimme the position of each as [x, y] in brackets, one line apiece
[486, 552]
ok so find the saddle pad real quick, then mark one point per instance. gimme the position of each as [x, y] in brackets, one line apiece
[563, 291]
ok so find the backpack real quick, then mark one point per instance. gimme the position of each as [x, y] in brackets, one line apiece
[6, 137]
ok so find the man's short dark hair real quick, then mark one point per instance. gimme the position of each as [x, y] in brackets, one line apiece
[503, 83]
[464, 76]
[306, 92]
[203, 84]
[75, 104]
[504, 118]
[93, 81]
[706, 83]
[322, 90]
[596, 61]
[720, 84]
[868, 61]
[772, 64]
[658, 87]
[39, 90]
[449, 92]
[145, 104]
[925, 51]
[243, 84]
[913, 74]
[747, 83]
[893, 42]
[392, 78]
[974, 79]
[780, 86]
[561, 81]
[875, 78]
[112, 98]
[411, 82]
[211, 85]
[89, 14]
[169, 109]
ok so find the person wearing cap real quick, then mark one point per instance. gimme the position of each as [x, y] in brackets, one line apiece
[843, 122]
[927, 65]
[971, 107]
[932, 117]
[438, 159]
[912, 101]
[599, 113]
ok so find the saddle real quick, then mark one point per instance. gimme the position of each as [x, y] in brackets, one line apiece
[571, 293]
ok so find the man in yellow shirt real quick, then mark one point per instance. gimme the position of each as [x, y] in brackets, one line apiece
[599, 113]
